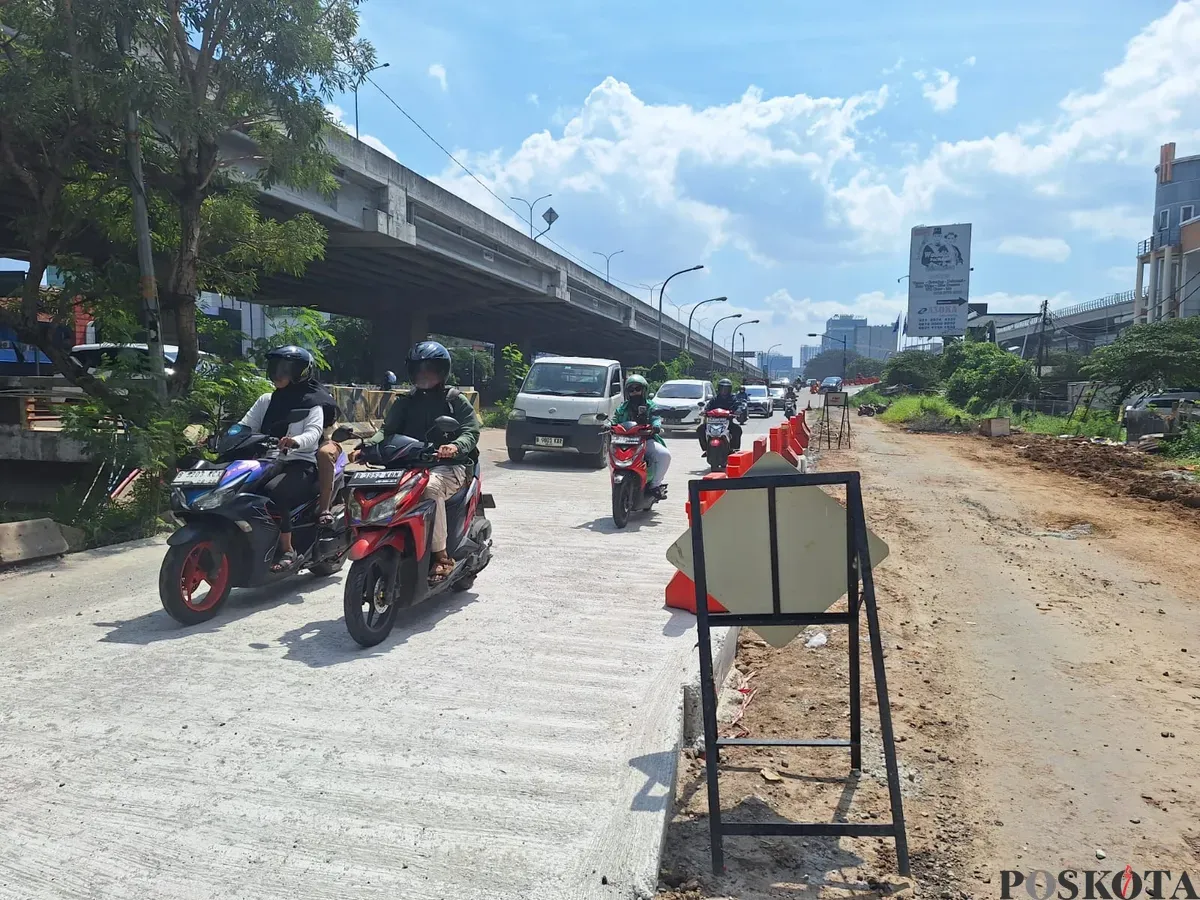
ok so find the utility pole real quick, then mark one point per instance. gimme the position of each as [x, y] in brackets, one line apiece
[1042, 338]
[151, 313]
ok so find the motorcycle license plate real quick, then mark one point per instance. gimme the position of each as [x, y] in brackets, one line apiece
[377, 477]
[199, 477]
[626, 441]
[548, 441]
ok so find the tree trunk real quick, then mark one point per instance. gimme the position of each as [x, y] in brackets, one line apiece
[183, 291]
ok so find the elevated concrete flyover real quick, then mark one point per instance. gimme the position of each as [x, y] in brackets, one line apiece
[416, 258]
[1081, 327]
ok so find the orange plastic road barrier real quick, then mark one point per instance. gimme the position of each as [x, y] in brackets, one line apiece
[785, 443]
[760, 448]
[681, 594]
[776, 440]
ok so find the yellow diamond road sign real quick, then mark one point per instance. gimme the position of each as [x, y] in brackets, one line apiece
[811, 528]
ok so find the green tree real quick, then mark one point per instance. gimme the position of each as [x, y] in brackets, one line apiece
[918, 370]
[1149, 357]
[305, 328]
[471, 367]
[830, 362]
[205, 69]
[349, 355]
[865, 367]
[986, 375]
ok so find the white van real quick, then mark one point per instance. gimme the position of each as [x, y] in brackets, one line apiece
[558, 406]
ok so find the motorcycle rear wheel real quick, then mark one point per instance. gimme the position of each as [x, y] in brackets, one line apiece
[368, 587]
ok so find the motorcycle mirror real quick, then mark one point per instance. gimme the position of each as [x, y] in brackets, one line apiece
[446, 424]
[342, 433]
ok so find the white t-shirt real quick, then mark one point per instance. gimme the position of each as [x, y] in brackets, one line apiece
[307, 433]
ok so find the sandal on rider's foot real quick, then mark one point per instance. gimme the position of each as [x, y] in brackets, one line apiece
[325, 520]
[442, 569]
[285, 563]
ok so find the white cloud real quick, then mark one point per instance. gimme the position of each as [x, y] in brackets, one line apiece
[1125, 275]
[533, 100]
[697, 169]
[370, 140]
[891, 70]
[438, 73]
[1113, 222]
[969, 61]
[1047, 249]
[941, 90]
[1004, 302]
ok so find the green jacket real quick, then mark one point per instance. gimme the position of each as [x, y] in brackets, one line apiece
[621, 414]
[413, 415]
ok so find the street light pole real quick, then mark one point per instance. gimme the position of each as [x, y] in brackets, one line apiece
[607, 258]
[662, 291]
[736, 328]
[356, 85]
[712, 342]
[531, 206]
[687, 338]
[767, 361]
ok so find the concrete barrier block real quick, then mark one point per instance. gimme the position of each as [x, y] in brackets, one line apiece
[29, 540]
[76, 538]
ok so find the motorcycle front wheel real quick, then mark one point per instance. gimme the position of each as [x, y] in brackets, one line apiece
[622, 502]
[194, 582]
[369, 599]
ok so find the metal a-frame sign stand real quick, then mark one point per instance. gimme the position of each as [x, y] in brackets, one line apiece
[858, 570]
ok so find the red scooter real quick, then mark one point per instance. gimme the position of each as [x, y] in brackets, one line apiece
[629, 470]
[391, 525]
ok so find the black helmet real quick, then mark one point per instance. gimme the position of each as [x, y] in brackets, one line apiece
[389, 377]
[723, 384]
[428, 353]
[294, 362]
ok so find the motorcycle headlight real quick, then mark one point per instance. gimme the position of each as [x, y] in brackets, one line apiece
[215, 498]
[381, 513]
[517, 415]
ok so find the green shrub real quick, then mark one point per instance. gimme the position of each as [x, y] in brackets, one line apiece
[916, 369]
[931, 413]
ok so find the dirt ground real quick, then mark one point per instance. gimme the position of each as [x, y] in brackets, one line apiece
[1040, 632]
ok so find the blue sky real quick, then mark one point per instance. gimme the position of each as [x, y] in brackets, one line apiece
[790, 146]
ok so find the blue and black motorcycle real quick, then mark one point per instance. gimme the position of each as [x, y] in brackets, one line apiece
[231, 529]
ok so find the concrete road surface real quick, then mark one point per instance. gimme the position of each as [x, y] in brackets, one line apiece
[516, 741]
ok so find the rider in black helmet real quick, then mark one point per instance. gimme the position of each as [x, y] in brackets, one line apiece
[296, 412]
[413, 415]
[723, 399]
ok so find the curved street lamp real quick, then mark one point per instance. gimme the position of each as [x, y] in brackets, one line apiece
[662, 291]
[531, 206]
[357, 83]
[712, 341]
[607, 259]
[734, 336]
[767, 360]
[833, 337]
[687, 338]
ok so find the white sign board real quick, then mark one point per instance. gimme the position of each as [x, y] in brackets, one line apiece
[939, 275]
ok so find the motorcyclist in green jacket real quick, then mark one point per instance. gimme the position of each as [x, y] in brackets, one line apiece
[636, 397]
[413, 415]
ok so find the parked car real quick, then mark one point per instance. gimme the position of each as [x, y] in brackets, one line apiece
[681, 403]
[778, 396]
[97, 359]
[760, 403]
[832, 383]
[563, 406]
[1166, 399]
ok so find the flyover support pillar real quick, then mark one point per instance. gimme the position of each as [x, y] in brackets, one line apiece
[391, 338]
